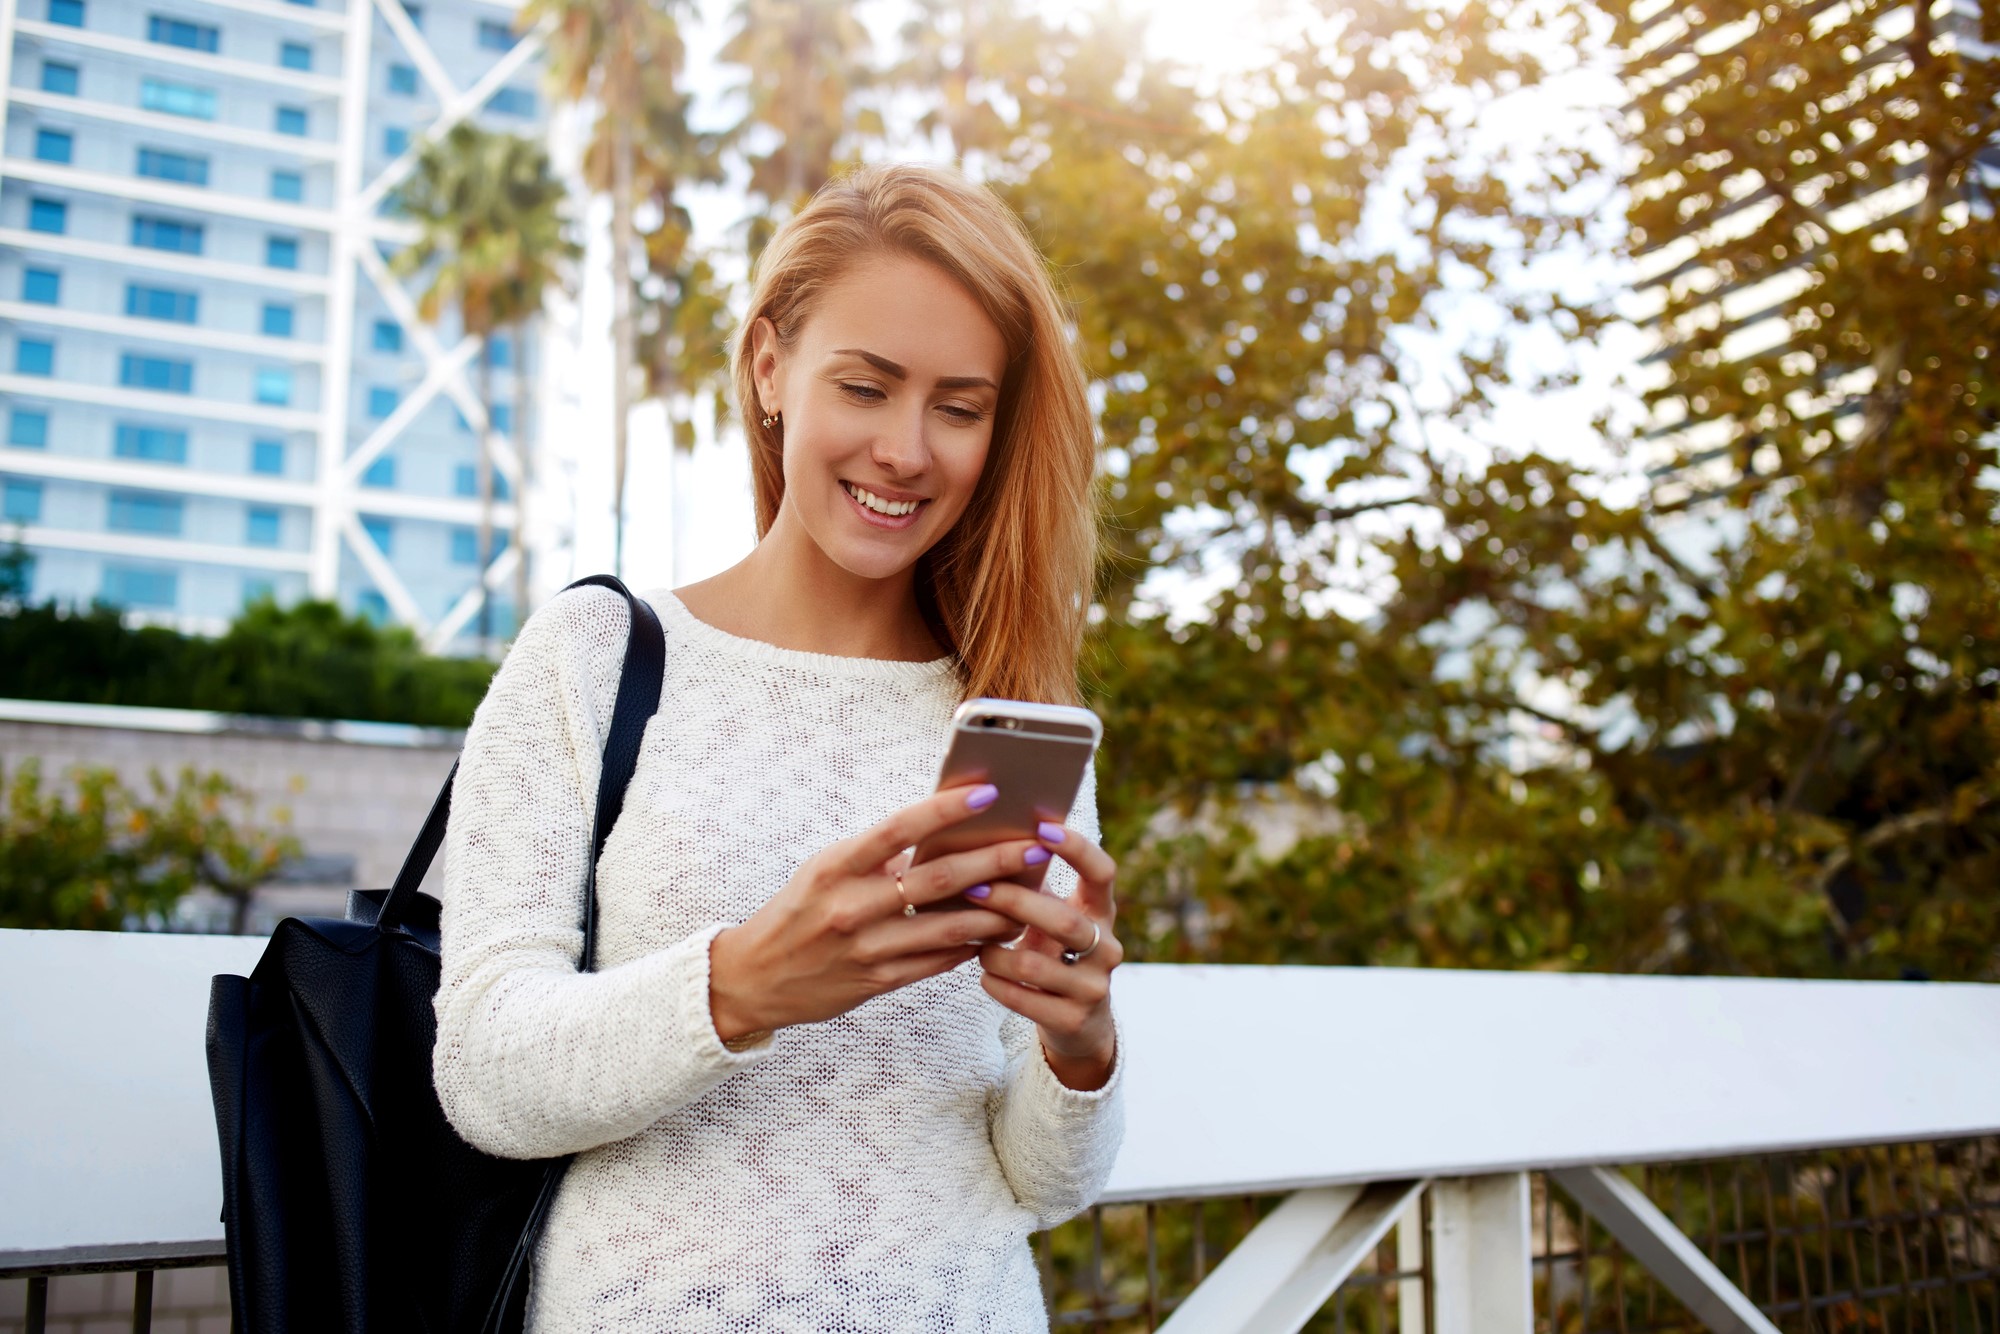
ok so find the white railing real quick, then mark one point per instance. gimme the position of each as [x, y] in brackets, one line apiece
[1361, 1091]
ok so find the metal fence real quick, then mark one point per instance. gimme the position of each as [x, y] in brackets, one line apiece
[1900, 1239]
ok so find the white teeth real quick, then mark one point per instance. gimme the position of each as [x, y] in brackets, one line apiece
[879, 505]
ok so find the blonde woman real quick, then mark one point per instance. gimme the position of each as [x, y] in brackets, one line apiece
[795, 1106]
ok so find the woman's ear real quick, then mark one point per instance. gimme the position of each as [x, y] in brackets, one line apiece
[764, 366]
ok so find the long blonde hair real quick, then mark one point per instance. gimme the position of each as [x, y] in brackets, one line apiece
[1009, 586]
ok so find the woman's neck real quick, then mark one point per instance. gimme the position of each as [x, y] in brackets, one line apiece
[786, 592]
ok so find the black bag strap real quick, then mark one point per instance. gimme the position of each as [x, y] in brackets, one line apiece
[639, 682]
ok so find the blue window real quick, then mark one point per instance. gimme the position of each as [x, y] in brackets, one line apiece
[465, 480]
[503, 419]
[403, 80]
[372, 606]
[54, 146]
[177, 99]
[380, 531]
[495, 36]
[261, 527]
[138, 586]
[514, 102]
[281, 252]
[151, 444]
[291, 120]
[500, 349]
[277, 320]
[288, 186]
[35, 356]
[29, 430]
[69, 13]
[23, 503]
[162, 375]
[388, 336]
[380, 473]
[161, 303]
[268, 457]
[180, 168]
[465, 546]
[256, 588]
[394, 140]
[58, 78]
[48, 215]
[145, 512]
[295, 55]
[274, 387]
[41, 286]
[381, 401]
[416, 13]
[152, 233]
[180, 32]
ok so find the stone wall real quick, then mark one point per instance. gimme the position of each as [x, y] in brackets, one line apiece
[354, 794]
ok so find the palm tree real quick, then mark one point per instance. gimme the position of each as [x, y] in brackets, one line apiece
[623, 54]
[491, 235]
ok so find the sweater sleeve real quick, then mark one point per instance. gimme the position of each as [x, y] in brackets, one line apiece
[534, 1059]
[1056, 1144]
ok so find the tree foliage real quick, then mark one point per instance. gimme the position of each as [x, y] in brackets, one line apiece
[1385, 683]
[101, 856]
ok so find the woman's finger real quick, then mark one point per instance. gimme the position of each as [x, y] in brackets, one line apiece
[1063, 921]
[1096, 872]
[1087, 986]
[1045, 1008]
[868, 850]
[946, 877]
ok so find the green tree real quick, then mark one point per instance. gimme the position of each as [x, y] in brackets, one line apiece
[493, 244]
[104, 858]
[625, 57]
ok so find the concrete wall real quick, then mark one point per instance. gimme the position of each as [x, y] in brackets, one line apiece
[355, 793]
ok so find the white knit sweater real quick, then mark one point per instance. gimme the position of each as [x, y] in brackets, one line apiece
[876, 1172]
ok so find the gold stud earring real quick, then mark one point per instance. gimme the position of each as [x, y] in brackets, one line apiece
[773, 419]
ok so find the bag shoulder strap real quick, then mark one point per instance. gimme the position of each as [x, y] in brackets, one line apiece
[639, 683]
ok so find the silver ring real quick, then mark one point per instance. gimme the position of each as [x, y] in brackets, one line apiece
[1096, 935]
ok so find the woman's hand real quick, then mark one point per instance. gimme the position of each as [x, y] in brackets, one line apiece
[1069, 1002]
[836, 935]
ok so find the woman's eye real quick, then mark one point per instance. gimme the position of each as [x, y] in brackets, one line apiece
[867, 393]
[964, 416]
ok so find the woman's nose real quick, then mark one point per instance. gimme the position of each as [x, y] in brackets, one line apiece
[901, 449]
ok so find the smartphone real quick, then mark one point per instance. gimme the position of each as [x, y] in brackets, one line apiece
[1034, 753]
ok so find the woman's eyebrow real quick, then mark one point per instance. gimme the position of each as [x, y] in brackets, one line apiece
[895, 371]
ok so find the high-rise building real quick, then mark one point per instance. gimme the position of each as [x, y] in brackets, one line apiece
[211, 388]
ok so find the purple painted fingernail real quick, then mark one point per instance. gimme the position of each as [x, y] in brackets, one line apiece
[1049, 833]
[1035, 856]
[982, 796]
[978, 891]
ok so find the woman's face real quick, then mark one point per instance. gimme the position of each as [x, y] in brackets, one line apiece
[888, 395]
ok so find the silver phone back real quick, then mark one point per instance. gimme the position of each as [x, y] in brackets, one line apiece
[1037, 763]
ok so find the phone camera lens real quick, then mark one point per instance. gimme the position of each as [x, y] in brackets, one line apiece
[1012, 724]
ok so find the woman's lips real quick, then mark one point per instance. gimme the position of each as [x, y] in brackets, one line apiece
[892, 522]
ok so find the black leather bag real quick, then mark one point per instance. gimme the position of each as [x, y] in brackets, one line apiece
[349, 1202]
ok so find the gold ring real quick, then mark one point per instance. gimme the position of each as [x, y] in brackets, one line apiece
[909, 908]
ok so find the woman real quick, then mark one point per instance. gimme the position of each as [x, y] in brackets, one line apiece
[796, 1106]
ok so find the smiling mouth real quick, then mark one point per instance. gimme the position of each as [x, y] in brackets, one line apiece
[890, 509]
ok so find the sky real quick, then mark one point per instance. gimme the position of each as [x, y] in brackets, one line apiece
[689, 517]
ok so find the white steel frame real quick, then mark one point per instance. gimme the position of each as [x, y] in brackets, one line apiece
[335, 496]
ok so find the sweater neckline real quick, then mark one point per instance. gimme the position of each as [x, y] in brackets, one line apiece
[934, 671]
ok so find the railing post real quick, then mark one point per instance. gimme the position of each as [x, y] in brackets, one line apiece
[1410, 1259]
[1482, 1256]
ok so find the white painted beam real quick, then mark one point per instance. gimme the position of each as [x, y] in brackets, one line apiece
[163, 549]
[192, 198]
[1664, 1251]
[1482, 1275]
[173, 405]
[187, 126]
[220, 67]
[162, 331]
[164, 261]
[1229, 1297]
